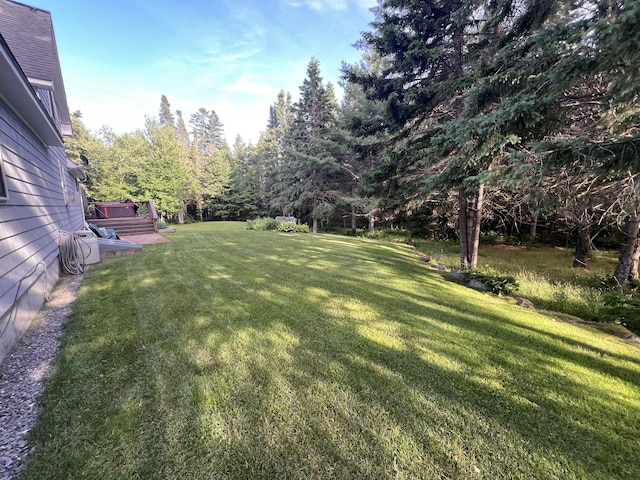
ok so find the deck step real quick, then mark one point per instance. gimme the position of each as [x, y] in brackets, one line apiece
[127, 226]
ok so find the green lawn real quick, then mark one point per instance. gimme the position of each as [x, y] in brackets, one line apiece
[228, 353]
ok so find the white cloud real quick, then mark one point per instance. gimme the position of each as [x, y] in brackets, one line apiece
[367, 4]
[246, 84]
[239, 55]
[320, 5]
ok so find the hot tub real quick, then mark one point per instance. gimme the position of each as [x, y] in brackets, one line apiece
[115, 209]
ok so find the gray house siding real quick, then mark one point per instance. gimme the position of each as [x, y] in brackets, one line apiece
[39, 188]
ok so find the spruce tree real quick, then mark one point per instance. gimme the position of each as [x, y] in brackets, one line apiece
[181, 131]
[207, 130]
[307, 181]
[469, 85]
[166, 117]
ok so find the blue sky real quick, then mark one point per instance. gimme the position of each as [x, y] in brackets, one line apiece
[233, 56]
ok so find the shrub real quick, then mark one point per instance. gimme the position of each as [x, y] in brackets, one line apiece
[162, 224]
[391, 234]
[492, 238]
[495, 281]
[287, 227]
[623, 307]
[261, 224]
[143, 211]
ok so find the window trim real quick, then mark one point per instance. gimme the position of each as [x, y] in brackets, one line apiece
[4, 190]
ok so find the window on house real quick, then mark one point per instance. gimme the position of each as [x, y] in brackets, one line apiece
[63, 182]
[4, 194]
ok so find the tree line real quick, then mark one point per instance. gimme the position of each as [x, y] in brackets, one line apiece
[509, 115]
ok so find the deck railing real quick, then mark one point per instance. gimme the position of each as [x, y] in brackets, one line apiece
[124, 216]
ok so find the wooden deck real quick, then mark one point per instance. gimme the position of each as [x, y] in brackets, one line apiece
[127, 226]
[124, 219]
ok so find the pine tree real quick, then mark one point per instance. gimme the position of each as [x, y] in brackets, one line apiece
[243, 199]
[360, 122]
[467, 84]
[207, 130]
[166, 117]
[181, 131]
[307, 181]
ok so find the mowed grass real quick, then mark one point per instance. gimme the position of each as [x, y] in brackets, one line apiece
[230, 354]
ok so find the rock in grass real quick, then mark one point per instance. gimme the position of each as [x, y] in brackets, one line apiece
[440, 268]
[456, 276]
[523, 302]
[477, 285]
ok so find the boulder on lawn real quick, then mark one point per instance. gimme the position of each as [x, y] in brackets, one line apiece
[525, 303]
[476, 285]
[456, 276]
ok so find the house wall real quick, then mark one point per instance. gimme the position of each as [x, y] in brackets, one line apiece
[38, 186]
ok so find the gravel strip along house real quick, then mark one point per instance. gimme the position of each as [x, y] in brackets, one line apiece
[41, 199]
[22, 375]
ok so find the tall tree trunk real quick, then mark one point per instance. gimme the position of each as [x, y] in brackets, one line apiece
[627, 268]
[533, 228]
[199, 208]
[477, 220]
[463, 212]
[315, 225]
[469, 223]
[583, 244]
[354, 218]
[372, 221]
[635, 259]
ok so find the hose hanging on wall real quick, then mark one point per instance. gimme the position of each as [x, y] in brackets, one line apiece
[14, 311]
[70, 253]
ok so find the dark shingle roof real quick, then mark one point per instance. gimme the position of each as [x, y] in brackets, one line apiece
[29, 33]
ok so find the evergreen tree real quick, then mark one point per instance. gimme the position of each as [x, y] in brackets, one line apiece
[307, 182]
[272, 146]
[207, 130]
[181, 131]
[243, 197]
[469, 83]
[359, 121]
[166, 117]
[217, 130]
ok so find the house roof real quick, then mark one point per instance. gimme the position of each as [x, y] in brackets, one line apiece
[18, 94]
[28, 32]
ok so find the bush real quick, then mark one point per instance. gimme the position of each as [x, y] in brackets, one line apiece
[262, 224]
[391, 234]
[143, 211]
[623, 308]
[492, 238]
[495, 281]
[162, 224]
[288, 227]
